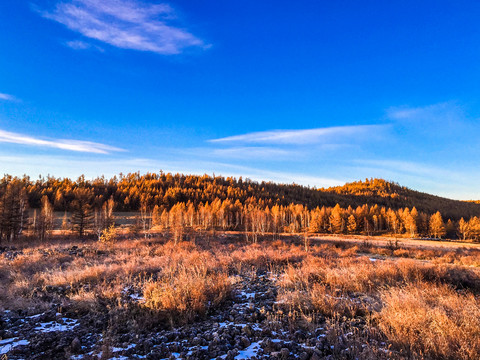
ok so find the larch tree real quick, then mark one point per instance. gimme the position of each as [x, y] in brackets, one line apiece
[463, 229]
[44, 221]
[145, 214]
[103, 217]
[336, 220]
[177, 221]
[156, 216]
[65, 223]
[437, 226]
[392, 220]
[351, 224]
[276, 220]
[410, 224]
[316, 222]
[474, 227]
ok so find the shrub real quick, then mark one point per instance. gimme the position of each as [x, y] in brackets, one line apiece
[109, 235]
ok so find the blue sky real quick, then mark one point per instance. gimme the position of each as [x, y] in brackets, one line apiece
[313, 92]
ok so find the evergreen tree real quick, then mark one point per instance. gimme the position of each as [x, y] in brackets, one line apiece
[13, 210]
[82, 215]
[450, 230]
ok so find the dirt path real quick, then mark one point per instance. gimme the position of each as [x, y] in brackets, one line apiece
[405, 242]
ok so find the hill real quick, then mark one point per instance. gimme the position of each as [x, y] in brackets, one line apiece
[165, 190]
[390, 194]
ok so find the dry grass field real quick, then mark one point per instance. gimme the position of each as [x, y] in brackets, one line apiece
[221, 297]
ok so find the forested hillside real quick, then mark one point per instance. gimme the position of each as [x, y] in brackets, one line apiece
[179, 202]
[390, 194]
[165, 189]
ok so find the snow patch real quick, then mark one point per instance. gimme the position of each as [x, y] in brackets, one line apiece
[249, 352]
[35, 316]
[51, 326]
[248, 295]
[8, 344]
[118, 349]
[128, 291]
[256, 327]
[137, 297]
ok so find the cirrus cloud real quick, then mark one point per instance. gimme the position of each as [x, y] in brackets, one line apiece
[7, 97]
[303, 136]
[63, 144]
[127, 24]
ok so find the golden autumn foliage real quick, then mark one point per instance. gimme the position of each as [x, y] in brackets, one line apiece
[177, 203]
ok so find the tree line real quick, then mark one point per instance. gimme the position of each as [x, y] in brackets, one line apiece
[255, 220]
[166, 189]
[180, 203]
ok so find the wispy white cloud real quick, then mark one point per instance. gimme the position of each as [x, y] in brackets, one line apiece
[441, 113]
[410, 167]
[7, 97]
[63, 144]
[445, 125]
[127, 24]
[255, 152]
[90, 166]
[304, 136]
[78, 45]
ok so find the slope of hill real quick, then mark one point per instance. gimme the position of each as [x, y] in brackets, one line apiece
[390, 194]
[131, 190]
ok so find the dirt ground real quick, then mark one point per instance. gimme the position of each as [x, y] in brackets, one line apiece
[425, 244]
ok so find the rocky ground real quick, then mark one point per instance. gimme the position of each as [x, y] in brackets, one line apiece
[250, 326]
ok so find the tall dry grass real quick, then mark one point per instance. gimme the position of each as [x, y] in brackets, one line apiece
[423, 309]
[432, 321]
[421, 303]
[187, 293]
[190, 284]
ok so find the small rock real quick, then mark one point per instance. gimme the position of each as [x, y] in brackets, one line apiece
[303, 356]
[76, 345]
[244, 342]
[300, 335]
[284, 352]
[247, 330]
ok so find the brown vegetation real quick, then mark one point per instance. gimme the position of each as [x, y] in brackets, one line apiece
[432, 320]
[180, 203]
[418, 308]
